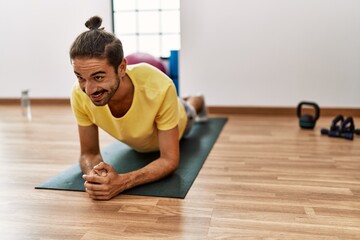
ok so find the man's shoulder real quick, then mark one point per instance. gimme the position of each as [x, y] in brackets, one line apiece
[75, 90]
[143, 70]
[77, 95]
[146, 75]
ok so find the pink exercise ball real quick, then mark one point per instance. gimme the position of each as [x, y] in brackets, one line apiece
[140, 57]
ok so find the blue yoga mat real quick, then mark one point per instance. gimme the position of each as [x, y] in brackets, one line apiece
[194, 150]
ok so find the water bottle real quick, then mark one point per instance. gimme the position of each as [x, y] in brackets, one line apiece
[25, 104]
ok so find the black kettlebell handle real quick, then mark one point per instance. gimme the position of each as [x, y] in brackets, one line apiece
[314, 105]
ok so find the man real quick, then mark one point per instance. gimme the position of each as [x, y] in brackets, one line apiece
[135, 104]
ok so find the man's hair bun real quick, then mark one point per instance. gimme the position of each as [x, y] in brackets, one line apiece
[94, 23]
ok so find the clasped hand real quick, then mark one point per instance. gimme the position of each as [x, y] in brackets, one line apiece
[103, 182]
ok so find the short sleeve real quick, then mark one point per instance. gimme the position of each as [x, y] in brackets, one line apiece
[78, 109]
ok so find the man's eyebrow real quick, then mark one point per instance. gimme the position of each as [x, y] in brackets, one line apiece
[93, 74]
[96, 73]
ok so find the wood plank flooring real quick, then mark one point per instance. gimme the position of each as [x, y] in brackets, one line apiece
[264, 179]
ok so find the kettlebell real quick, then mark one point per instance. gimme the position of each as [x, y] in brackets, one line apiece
[308, 121]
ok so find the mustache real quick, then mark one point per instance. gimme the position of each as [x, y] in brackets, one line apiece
[97, 92]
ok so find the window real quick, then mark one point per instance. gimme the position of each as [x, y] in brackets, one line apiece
[150, 26]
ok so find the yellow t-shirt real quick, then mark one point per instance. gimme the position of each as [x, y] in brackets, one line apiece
[155, 106]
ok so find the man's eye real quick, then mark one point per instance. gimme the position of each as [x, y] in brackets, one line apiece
[80, 78]
[98, 78]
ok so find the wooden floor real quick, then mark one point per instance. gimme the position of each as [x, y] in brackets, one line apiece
[264, 179]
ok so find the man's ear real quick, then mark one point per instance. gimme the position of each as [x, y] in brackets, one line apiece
[122, 68]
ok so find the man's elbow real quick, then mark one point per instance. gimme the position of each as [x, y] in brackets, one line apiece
[173, 165]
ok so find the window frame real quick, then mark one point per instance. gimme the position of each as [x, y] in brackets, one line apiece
[138, 35]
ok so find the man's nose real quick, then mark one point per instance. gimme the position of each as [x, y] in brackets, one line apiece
[90, 87]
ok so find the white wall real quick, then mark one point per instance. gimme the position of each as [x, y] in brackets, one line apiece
[36, 36]
[271, 52]
[237, 52]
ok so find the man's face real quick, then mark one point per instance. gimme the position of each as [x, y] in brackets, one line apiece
[96, 78]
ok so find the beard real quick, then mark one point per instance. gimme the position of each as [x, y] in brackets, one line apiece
[102, 97]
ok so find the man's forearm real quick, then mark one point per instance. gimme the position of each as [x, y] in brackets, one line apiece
[154, 171]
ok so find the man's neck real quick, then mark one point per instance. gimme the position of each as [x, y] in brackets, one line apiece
[122, 100]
